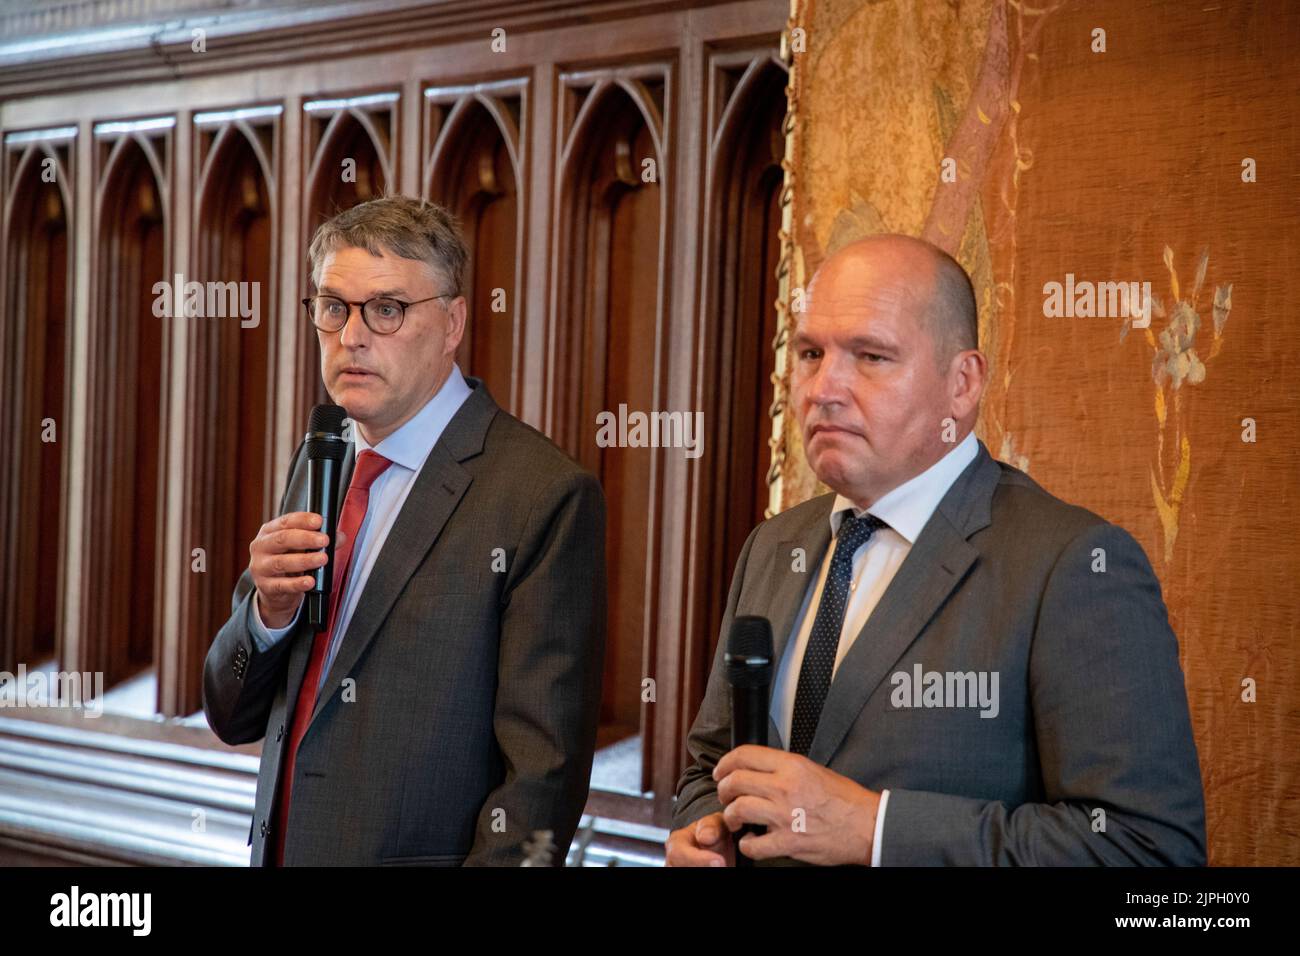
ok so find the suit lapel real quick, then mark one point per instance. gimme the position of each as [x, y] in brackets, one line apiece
[939, 559]
[788, 586]
[438, 489]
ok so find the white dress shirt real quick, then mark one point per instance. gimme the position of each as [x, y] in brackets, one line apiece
[906, 509]
[407, 448]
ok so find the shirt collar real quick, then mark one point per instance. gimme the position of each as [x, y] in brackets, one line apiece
[410, 445]
[908, 507]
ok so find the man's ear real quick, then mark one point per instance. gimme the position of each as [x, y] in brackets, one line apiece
[969, 369]
[457, 316]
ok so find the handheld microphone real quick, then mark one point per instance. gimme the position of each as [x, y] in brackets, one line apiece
[749, 672]
[326, 449]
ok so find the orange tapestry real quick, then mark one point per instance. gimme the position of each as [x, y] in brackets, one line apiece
[1068, 153]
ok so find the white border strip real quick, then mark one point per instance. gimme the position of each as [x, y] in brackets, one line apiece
[134, 126]
[371, 100]
[227, 116]
[40, 135]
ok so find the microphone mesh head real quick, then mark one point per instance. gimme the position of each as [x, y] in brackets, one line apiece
[327, 418]
[749, 652]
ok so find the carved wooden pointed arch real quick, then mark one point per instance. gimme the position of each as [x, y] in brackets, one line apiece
[152, 149]
[616, 128]
[605, 347]
[36, 153]
[222, 140]
[346, 127]
[118, 630]
[504, 103]
[35, 336]
[231, 365]
[475, 169]
[576, 73]
[743, 183]
[637, 86]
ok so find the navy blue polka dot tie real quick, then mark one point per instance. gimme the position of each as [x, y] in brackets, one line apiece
[824, 641]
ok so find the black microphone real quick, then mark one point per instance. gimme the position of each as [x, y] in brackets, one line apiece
[326, 449]
[749, 672]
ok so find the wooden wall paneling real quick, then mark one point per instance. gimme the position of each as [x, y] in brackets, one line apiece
[593, 296]
[292, 329]
[260, 37]
[362, 129]
[71, 637]
[122, 568]
[746, 108]
[408, 160]
[612, 272]
[538, 205]
[174, 553]
[8, 653]
[681, 357]
[34, 337]
[475, 160]
[229, 491]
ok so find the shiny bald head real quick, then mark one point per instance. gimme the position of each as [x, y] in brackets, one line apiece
[887, 375]
[937, 287]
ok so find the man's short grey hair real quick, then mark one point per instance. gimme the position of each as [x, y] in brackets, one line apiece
[396, 225]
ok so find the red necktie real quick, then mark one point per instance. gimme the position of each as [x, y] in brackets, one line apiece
[369, 466]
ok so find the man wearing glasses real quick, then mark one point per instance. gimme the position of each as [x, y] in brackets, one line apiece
[447, 714]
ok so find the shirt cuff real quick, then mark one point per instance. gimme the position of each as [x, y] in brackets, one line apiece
[880, 828]
[265, 638]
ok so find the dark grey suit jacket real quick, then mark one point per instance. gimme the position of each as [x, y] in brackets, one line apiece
[476, 692]
[1093, 712]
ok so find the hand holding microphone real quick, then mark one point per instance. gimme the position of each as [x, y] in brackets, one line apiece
[286, 560]
[748, 658]
[749, 672]
[282, 559]
[764, 789]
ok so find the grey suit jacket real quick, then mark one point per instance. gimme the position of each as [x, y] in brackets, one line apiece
[1092, 713]
[476, 691]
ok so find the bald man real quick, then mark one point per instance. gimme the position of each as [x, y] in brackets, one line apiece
[967, 669]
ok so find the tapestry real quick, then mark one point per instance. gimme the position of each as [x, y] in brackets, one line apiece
[1120, 179]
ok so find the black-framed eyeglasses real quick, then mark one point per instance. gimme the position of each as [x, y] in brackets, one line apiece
[383, 314]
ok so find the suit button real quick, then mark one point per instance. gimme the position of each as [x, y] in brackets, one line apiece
[264, 829]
